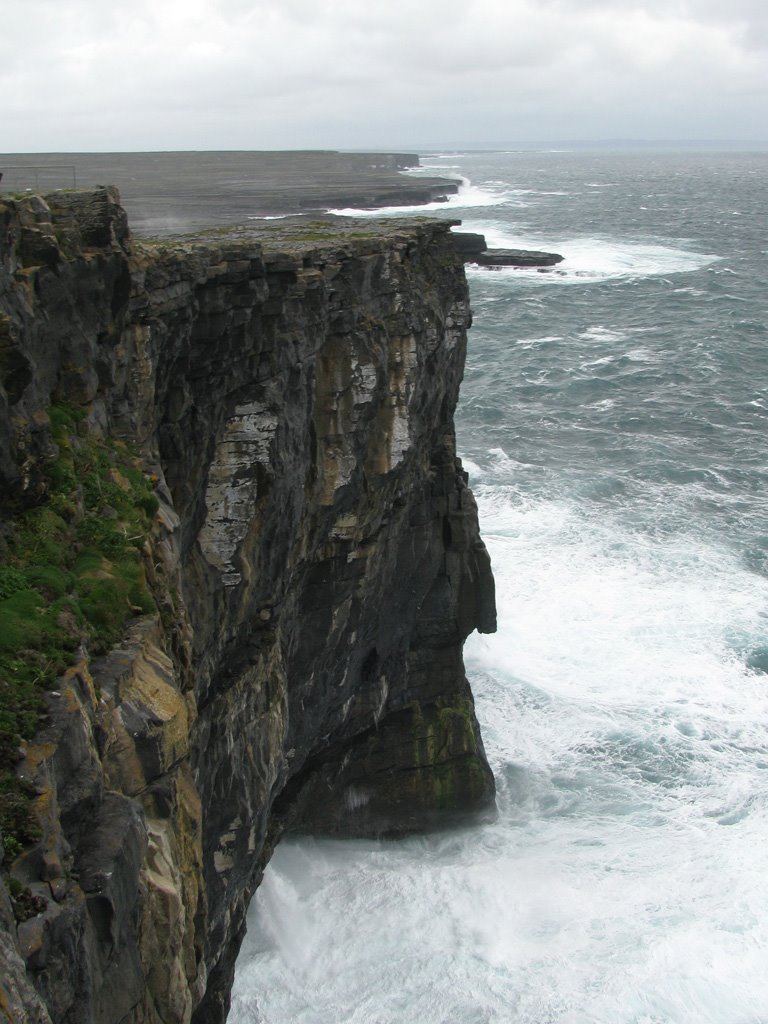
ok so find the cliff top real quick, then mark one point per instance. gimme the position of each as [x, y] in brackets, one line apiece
[71, 221]
[301, 235]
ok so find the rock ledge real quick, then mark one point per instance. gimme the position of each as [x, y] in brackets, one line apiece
[473, 249]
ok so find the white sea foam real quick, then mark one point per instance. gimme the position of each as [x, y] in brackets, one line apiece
[546, 339]
[666, 609]
[695, 292]
[626, 879]
[592, 259]
[601, 334]
[468, 197]
[535, 192]
[471, 467]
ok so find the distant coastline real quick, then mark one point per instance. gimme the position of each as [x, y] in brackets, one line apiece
[176, 193]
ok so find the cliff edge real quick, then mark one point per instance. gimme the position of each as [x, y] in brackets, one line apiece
[233, 512]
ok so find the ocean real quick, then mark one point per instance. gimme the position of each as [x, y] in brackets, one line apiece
[614, 423]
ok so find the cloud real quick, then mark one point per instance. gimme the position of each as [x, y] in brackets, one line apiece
[245, 74]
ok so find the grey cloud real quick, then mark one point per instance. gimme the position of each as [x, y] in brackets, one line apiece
[238, 73]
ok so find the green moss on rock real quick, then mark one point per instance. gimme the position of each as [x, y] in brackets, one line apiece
[73, 576]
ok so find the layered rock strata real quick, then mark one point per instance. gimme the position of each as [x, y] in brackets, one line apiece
[315, 559]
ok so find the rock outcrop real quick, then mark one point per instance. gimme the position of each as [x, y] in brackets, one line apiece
[316, 564]
[473, 248]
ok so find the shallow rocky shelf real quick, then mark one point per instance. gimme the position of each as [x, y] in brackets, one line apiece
[473, 248]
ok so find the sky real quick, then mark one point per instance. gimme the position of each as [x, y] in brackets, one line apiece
[103, 75]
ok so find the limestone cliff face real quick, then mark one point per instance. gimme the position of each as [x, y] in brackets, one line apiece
[316, 562]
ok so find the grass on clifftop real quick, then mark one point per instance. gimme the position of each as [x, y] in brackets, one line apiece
[72, 575]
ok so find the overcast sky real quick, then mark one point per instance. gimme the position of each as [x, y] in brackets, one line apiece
[268, 74]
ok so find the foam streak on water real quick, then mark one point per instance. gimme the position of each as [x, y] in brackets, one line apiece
[467, 197]
[615, 434]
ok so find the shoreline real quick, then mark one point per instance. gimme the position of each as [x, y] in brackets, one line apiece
[176, 193]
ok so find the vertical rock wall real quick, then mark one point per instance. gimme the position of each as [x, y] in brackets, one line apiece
[316, 561]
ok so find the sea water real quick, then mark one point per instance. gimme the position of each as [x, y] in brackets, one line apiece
[614, 422]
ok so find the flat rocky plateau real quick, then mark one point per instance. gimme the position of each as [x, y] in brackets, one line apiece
[178, 193]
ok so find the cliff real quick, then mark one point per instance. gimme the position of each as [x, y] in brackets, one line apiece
[240, 560]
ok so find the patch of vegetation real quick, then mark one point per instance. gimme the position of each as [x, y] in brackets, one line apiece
[73, 576]
[24, 902]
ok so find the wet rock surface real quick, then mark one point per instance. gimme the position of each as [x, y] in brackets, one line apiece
[316, 562]
[474, 249]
